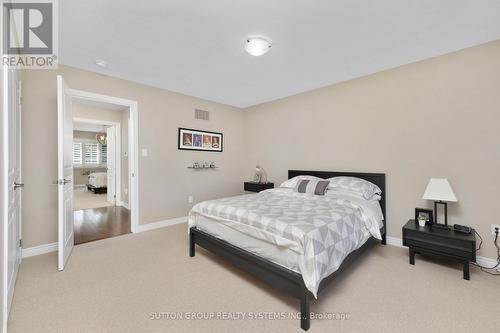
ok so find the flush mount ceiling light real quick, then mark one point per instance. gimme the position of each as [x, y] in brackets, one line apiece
[257, 45]
[101, 63]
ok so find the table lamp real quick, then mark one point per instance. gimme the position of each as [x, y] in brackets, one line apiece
[440, 191]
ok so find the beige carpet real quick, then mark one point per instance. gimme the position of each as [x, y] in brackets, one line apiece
[116, 284]
[85, 199]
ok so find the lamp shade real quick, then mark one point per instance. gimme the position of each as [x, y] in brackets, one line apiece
[439, 189]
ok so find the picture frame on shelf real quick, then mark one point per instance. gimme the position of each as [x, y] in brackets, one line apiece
[428, 214]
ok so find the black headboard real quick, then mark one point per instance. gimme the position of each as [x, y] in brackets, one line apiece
[375, 178]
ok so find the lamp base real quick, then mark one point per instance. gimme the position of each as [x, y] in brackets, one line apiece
[445, 212]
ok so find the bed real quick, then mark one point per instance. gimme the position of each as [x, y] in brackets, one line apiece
[98, 182]
[297, 243]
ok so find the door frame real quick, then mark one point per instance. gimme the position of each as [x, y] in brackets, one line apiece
[118, 148]
[133, 146]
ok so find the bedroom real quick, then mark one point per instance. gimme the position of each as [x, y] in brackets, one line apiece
[400, 92]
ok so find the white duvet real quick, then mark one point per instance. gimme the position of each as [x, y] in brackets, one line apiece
[322, 230]
[98, 179]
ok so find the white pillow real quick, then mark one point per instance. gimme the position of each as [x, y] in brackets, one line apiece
[292, 182]
[356, 185]
[347, 193]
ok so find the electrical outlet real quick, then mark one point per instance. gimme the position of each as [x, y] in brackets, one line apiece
[495, 227]
[190, 199]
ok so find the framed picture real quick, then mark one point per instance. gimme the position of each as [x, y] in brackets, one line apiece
[426, 213]
[191, 139]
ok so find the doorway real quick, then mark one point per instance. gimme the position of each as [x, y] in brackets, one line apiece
[100, 190]
[100, 142]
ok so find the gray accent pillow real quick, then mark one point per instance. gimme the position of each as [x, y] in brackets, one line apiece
[317, 187]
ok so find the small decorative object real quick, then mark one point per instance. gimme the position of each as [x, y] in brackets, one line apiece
[191, 139]
[424, 215]
[440, 191]
[101, 138]
[260, 175]
[203, 165]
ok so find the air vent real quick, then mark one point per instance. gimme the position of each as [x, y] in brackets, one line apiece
[201, 114]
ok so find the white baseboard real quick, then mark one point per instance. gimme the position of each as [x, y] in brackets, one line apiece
[40, 249]
[486, 262]
[483, 261]
[394, 241]
[52, 247]
[124, 204]
[161, 224]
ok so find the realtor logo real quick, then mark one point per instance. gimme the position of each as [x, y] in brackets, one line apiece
[29, 33]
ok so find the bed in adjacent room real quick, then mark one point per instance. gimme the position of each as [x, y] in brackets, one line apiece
[295, 241]
[98, 182]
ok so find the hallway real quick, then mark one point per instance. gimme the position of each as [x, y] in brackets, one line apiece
[100, 223]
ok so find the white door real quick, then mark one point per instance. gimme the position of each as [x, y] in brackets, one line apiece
[12, 177]
[111, 163]
[65, 172]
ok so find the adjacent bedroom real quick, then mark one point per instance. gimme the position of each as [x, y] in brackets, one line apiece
[250, 166]
[100, 164]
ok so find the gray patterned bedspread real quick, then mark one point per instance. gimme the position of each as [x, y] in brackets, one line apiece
[323, 230]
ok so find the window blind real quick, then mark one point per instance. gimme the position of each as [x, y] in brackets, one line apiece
[91, 154]
[104, 154]
[77, 153]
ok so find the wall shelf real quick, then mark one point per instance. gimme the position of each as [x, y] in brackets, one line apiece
[203, 166]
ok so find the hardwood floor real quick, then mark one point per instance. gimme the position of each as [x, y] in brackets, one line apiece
[99, 223]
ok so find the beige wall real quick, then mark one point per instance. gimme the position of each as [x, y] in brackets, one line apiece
[435, 118]
[165, 182]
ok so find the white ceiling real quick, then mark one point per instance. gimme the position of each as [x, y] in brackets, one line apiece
[196, 47]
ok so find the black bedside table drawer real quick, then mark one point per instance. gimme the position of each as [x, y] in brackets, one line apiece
[439, 243]
[437, 247]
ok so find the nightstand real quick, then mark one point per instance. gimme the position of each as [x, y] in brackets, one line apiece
[257, 187]
[438, 242]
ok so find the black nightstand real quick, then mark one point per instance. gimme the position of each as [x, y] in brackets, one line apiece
[445, 243]
[257, 187]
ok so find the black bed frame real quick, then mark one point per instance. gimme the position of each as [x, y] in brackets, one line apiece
[97, 190]
[279, 277]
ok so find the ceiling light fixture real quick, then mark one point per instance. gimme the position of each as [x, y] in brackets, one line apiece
[101, 63]
[257, 45]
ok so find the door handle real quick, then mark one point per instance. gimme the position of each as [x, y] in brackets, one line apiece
[61, 181]
[18, 185]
